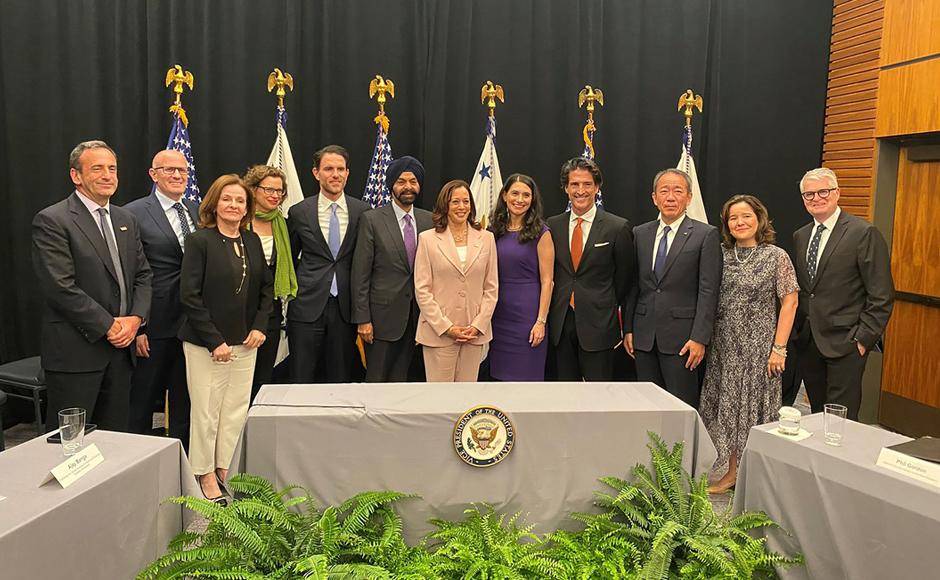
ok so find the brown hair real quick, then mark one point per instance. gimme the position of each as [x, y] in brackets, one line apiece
[207, 217]
[765, 229]
[335, 150]
[258, 173]
[439, 217]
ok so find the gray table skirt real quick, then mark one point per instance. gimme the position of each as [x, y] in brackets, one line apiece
[108, 524]
[338, 440]
[849, 517]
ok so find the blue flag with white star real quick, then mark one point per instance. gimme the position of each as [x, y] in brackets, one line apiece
[376, 193]
[179, 140]
[487, 180]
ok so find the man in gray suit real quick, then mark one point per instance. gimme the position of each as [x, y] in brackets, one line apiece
[846, 294]
[670, 314]
[383, 303]
[95, 282]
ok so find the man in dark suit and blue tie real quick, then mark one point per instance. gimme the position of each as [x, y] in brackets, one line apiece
[165, 218]
[323, 238]
[383, 301]
[846, 295]
[95, 282]
[670, 315]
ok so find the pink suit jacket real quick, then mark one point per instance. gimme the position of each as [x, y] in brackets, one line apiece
[449, 292]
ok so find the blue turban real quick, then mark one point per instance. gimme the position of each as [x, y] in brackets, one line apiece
[401, 165]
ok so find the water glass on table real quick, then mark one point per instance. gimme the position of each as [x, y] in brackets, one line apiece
[834, 423]
[71, 429]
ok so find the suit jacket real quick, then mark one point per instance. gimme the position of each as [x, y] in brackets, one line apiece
[601, 283]
[314, 263]
[682, 304]
[81, 296]
[852, 295]
[209, 280]
[165, 256]
[449, 292]
[382, 280]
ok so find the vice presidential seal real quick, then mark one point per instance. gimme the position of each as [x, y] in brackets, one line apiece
[483, 436]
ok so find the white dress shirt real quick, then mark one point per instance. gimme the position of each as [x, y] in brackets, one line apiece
[829, 223]
[93, 210]
[400, 216]
[323, 216]
[673, 228]
[588, 219]
[173, 216]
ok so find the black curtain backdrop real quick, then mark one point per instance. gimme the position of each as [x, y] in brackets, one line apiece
[83, 69]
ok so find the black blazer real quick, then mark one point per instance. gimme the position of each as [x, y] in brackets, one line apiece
[165, 256]
[382, 281]
[601, 283]
[681, 305]
[209, 279]
[314, 263]
[81, 296]
[852, 295]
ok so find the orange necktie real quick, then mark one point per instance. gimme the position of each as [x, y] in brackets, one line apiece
[577, 248]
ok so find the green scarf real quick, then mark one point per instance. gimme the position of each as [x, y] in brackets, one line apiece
[285, 280]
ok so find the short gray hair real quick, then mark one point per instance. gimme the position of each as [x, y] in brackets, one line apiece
[673, 170]
[85, 146]
[820, 173]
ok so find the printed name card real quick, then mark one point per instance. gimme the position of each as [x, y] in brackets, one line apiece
[75, 467]
[923, 471]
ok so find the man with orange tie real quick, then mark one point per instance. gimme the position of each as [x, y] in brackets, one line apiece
[593, 274]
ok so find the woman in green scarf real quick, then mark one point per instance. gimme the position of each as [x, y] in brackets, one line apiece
[269, 188]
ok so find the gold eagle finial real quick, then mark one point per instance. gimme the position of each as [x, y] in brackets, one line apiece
[590, 95]
[381, 86]
[280, 80]
[180, 77]
[689, 100]
[492, 92]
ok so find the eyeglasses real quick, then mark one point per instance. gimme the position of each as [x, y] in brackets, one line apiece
[822, 193]
[183, 171]
[271, 190]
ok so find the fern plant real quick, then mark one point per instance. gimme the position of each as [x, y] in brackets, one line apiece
[488, 546]
[260, 535]
[664, 526]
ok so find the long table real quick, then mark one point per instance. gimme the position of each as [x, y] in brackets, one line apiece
[340, 439]
[108, 524]
[849, 517]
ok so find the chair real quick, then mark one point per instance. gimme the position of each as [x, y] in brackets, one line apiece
[25, 375]
[3, 401]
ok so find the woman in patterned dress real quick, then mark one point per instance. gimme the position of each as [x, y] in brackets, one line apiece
[742, 382]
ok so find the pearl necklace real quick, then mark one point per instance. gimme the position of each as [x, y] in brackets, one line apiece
[744, 261]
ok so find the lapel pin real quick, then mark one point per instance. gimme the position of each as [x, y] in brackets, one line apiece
[123, 228]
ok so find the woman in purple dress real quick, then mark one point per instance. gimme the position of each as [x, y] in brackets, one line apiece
[526, 261]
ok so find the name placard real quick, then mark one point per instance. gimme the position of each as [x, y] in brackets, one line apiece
[923, 471]
[75, 467]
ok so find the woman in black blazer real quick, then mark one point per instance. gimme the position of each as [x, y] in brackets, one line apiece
[225, 291]
[268, 186]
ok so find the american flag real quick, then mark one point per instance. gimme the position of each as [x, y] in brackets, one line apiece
[179, 140]
[376, 193]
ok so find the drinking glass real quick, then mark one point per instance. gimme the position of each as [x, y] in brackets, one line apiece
[71, 429]
[789, 421]
[834, 423]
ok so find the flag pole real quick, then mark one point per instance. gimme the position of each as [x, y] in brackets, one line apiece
[589, 95]
[688, 102]
[179, 78]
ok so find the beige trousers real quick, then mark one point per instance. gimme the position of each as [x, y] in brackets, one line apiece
[219, 394]
[456, 363]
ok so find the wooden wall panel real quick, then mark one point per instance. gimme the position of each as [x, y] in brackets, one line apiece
[911, 366]
[915, 255]
[909, 99]
[912, 30]
[851, 99]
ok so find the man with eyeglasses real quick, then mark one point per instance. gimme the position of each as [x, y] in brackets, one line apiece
[95, 283]
[165, 218]
[846, 295]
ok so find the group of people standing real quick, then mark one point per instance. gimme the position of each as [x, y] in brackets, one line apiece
[164, 295]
